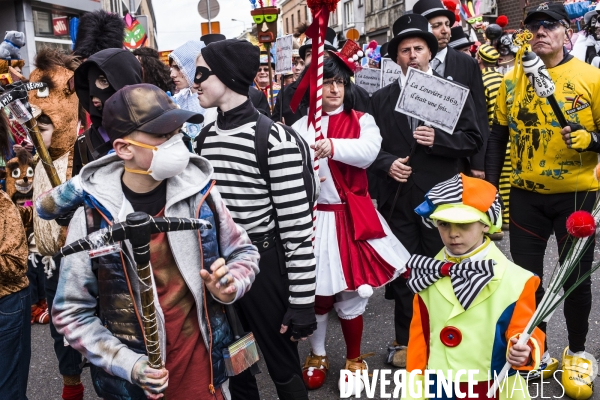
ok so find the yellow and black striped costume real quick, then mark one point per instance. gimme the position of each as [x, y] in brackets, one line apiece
[491, 83]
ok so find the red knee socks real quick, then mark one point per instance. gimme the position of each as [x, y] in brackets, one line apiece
[352, 330]
[72, 387]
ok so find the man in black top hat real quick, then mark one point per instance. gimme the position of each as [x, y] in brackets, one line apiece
[453, 65]
[398, 187]
[459, 40]
[361, 96]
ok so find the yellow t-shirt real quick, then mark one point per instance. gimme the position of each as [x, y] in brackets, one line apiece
[541, 161]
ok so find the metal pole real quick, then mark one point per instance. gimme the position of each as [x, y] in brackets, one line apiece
[208, 8]
[132, 8]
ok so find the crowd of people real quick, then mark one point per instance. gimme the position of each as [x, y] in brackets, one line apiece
[305, 214]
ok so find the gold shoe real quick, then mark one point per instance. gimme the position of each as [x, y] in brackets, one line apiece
[348, 384]
[577, 376]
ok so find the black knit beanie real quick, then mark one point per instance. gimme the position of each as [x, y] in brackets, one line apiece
[235, 62]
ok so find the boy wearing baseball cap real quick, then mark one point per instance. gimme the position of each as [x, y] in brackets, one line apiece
[471, 303]
[97, 303]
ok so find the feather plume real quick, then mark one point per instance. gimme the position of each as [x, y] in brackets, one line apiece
[99, 30]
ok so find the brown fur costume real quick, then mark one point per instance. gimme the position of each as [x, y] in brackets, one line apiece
[19, 175]
[60, 104]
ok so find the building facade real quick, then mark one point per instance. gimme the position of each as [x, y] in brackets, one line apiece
[44, 23]
[293, 14]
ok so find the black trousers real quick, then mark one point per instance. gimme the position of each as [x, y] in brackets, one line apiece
[37, 278]
[533, 218]
[261, 311]
[417, 238]
[69, 359]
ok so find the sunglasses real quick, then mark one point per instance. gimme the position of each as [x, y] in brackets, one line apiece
[504, 51]
[202, 74]
[534, 26]
[259, 19]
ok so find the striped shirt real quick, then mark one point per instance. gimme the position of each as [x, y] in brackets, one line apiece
[231, 153]
[491, 83]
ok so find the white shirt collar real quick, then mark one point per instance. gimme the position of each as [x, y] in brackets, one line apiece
[441, 55]
[337, 110]
[402, 80]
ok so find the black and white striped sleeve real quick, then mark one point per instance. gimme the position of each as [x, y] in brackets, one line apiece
[293, 216]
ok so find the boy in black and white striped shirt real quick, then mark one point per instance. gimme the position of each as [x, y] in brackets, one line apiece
[280, 307]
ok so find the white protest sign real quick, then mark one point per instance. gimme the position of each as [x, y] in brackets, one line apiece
[390, 71]
[434, 100]
[283, 56]
[368, 79]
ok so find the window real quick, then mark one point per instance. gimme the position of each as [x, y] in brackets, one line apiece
[299, 18]
[306, 14]
[371, 9]
[383, 3]
[333, 21]
[293, 26]
[287, 26]
[360, 3]
[349, 13]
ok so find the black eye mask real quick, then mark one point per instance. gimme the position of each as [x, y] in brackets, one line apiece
[202, 74]
[103, 94]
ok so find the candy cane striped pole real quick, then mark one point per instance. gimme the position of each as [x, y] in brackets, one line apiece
[318, 110]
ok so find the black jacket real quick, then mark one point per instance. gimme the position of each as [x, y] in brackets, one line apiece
[430, 165]
[260, 101]
[464, 69]
[361, 103]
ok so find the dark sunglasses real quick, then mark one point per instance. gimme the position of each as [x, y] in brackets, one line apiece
[504, 51]
[534, 26]
[202, 74]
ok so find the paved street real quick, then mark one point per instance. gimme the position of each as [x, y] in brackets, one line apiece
[45, 382]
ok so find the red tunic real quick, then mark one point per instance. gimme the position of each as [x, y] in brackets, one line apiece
[188, 362]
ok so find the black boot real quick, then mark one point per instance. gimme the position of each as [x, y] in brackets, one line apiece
[293, 389]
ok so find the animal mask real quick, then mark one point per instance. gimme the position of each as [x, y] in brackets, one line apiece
[58, 101]
[265, 19]
[19, 177]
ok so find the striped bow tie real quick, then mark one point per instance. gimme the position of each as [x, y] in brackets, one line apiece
[468, 278]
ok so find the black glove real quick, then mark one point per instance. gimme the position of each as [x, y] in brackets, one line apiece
[302, 322]
[65, 219]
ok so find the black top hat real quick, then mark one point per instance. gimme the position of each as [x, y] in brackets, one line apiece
[411, 25]
[384, 49]
[553, 10]
[329, 43]
[211, 38]
[433, 8]
[458, 38]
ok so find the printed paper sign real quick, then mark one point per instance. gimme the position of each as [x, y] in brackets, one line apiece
[368, 79]
[283, 56]
[433, 100]
[390, 71]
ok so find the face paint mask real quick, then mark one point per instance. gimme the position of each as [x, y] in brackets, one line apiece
[102, 93]
[169, 159]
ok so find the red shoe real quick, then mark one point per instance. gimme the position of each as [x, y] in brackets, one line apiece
[39, 314]
[314, 371]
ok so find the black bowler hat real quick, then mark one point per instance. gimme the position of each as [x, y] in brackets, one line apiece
[384, 49]
[411, 25]
[330, 43]
[458, 38]
[144, 108]
[211, 38]
[555, 11]
[433, 8]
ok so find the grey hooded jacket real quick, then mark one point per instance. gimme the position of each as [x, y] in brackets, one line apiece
[75, 303]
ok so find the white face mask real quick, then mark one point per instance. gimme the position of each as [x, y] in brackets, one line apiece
[168, 160]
